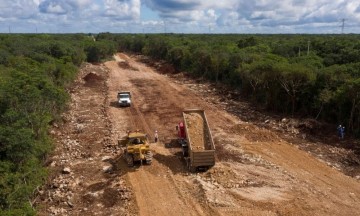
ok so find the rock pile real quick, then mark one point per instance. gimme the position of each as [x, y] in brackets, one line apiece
[198, 134]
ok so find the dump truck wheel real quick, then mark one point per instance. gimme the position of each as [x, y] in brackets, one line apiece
[192, 169]
[188, 164]
[184, 152]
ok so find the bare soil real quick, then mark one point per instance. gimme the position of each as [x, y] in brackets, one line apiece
[266, 164]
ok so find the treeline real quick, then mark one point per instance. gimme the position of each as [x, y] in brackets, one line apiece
[35, 71]
[306, 75]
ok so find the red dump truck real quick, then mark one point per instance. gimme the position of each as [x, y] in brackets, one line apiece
[196, 140]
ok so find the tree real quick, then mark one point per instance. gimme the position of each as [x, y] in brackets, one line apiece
[328, 80]
[201, 62]
[98, 50]
[176, 56]
[325, 96]
[351, 91]
[219, 65]
[312, 61]
[293, 78]
[156, 48]
[138, 44]
[254, 73]
[247, 42]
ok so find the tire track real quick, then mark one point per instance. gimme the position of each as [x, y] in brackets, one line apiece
[157, 191]
[138, 121]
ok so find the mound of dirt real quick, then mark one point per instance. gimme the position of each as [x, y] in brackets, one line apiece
[160, 66]
[197, 131]
[254, 134]
[166, 68]
[126, 65]
[92, 79]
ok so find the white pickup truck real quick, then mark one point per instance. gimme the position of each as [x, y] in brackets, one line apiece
[124, 98]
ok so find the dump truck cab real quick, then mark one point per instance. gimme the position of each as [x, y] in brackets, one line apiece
[182, 138]
[124, 98]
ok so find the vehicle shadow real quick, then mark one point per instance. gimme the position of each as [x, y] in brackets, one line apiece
[118, 166]
[173, 143]
[114, 104]
[174, 162]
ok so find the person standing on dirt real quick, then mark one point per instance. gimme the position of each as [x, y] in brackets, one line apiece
[156, 136]
[342, 132]
[339, 128]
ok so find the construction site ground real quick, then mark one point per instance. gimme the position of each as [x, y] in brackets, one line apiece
[265, 164]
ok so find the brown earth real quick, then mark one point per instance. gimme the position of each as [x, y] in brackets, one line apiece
[265, 166]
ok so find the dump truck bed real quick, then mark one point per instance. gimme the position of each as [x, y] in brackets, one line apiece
[201, 146]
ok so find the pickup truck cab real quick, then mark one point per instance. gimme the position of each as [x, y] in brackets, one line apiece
[124, 98]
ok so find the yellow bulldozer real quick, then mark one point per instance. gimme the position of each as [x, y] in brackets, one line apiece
[136, 148]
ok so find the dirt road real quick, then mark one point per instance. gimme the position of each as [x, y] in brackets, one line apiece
[252, 176]
[256, 172]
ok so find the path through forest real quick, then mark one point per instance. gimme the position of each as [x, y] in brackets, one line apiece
[257, 171]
